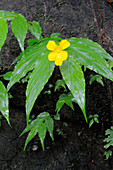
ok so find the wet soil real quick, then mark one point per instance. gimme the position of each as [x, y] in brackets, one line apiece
[77, 147]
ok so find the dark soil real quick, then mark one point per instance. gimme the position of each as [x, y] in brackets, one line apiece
[69, 151]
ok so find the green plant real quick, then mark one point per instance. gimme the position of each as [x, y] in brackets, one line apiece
[97, 78]
[69, 54]
[60, 132]
[40, 125]
[109, 139]
[93, 118]
[107, 154]
[60, 83]
[65, 99]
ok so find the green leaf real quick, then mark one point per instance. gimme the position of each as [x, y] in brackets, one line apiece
[96, 116]
[19, 27]
[26, 78]
[30, 136]
[3, 31]
[4, 103]
[7, 15]
[39, 77]
[90, 117]
[31, 42]
[91, 55]
[59, 104]
[108, 154]
[35, 123]
[41, 124]
[27, 63]
[57, 116]
[50, 126]
[28, 49]
[55, 36]
[42, 133]
[74, 79]
[109, 139]
[96, 120]
[35, 29]
[7, 76]
[64, 99]
[60, 83]
[91, 123]
[97, 78]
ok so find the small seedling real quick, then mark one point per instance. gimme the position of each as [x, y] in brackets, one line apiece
[93, 118]
[59, 84]
[60, 132]
[65, 99]
[97, 78]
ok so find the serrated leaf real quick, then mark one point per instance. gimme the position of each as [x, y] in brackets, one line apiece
[30, 136]
[19, 27]
[109, 139]
[91, 55]
[35, 29]
[39, 77]
[74, 79]
[108, 145]
[109, 131]
[4, 103]
[42, 133]
[7, 15]
[3, 31]
[50, 126]
[27, 63]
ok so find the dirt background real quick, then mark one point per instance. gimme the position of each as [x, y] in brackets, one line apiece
[68, 151]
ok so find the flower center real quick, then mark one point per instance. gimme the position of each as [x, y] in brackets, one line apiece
[58, 49]
[58, 55]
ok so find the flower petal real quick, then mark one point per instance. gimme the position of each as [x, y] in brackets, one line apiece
[58, 62]
[52, 56]
[63, 55]
[64, 44]
[51, 45]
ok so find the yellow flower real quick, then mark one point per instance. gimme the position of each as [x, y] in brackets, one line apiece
[58, 55]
